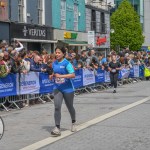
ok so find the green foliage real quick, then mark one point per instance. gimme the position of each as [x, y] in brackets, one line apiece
[126, 24]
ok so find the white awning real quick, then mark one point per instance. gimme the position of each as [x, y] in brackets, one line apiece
[35, 40]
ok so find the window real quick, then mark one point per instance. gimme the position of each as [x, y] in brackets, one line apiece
[103, 25]
[93, 23]
[41, 16]
[63, 14]
[75, 17]
[22, 10]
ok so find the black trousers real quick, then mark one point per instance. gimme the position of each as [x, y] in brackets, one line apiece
[114, 79]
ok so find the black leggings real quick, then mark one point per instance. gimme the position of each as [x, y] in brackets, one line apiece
[58, 99]
[114, 79]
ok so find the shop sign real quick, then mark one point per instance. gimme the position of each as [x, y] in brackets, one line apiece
[91, 38]
[69, 35]
[29, 32]
[100, 41]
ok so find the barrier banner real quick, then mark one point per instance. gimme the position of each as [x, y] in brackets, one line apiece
[46, 85]
[141, 71]
[99, 77]
[88, 77]
[78, 80]
[124, 73]
[136, 71]
[131, 75]
[107, 76]
[8, 85]
[28, 83]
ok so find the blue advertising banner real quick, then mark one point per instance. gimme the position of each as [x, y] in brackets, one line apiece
[141, 74]
[124, 73]
[88, 77]
[131, 75]
[136, 69]
[107, 76]
[99, 77]
[28, 83]
[46, 85]
[78, 80]
[8, 85]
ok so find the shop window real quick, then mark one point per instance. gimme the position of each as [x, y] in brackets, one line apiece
[22, 10]
[41, 16]
[75, 17]
[63, 14]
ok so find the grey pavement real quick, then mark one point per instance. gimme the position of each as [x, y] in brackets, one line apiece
[32, 124]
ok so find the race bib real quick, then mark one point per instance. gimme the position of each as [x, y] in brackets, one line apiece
[113, 70]
[60, 80]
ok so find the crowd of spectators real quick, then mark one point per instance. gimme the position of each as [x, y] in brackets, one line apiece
[16, 59]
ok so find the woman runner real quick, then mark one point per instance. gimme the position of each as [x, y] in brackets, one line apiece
[63, 89]
[114, 68]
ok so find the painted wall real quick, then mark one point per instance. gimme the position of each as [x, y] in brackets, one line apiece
[56, 18]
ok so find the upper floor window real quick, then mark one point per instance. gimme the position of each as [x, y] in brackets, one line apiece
[41, 12]
[63, 14]
[22, 10]
[75, 17]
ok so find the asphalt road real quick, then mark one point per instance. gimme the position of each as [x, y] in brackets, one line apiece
[126, 130]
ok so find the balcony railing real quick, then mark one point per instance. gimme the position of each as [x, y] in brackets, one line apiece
[98, 27]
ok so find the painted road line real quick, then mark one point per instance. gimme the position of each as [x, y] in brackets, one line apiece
[87, 124]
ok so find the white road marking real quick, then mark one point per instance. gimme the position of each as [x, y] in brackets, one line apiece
[87, 124]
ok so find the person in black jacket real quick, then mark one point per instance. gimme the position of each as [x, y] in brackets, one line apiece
[114, 68]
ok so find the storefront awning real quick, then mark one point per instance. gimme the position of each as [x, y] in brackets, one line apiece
[35, 40]
[74, 43]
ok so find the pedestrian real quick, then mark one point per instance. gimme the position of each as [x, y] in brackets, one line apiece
[63, 89]
[114, 67]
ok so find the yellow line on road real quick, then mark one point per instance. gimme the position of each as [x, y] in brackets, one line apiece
[87, 124]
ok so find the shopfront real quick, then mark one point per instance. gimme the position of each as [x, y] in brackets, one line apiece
[33, 37]
[76, 41]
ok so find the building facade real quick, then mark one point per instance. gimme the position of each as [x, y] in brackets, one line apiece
[68, 22]
[4, 20]
[146, 29]
[30, 23]
[98, 25]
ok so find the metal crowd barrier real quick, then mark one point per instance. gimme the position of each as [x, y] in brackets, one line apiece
[14, 100]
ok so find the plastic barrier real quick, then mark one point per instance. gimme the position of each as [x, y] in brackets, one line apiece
[21, 87]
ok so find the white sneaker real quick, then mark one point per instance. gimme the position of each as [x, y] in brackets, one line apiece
[56, 132]
[73, 127]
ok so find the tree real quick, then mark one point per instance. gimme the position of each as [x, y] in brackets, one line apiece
[127, 28]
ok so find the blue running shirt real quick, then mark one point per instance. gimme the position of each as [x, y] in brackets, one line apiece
[62, 84]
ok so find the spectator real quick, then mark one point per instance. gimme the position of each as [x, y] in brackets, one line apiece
[83, 57]
[102, 59]
[3, 67]
[74, 60]
[37, 65]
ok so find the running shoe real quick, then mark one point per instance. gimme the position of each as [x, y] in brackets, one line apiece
[73, 127]
[56, 132]
[114, 91]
